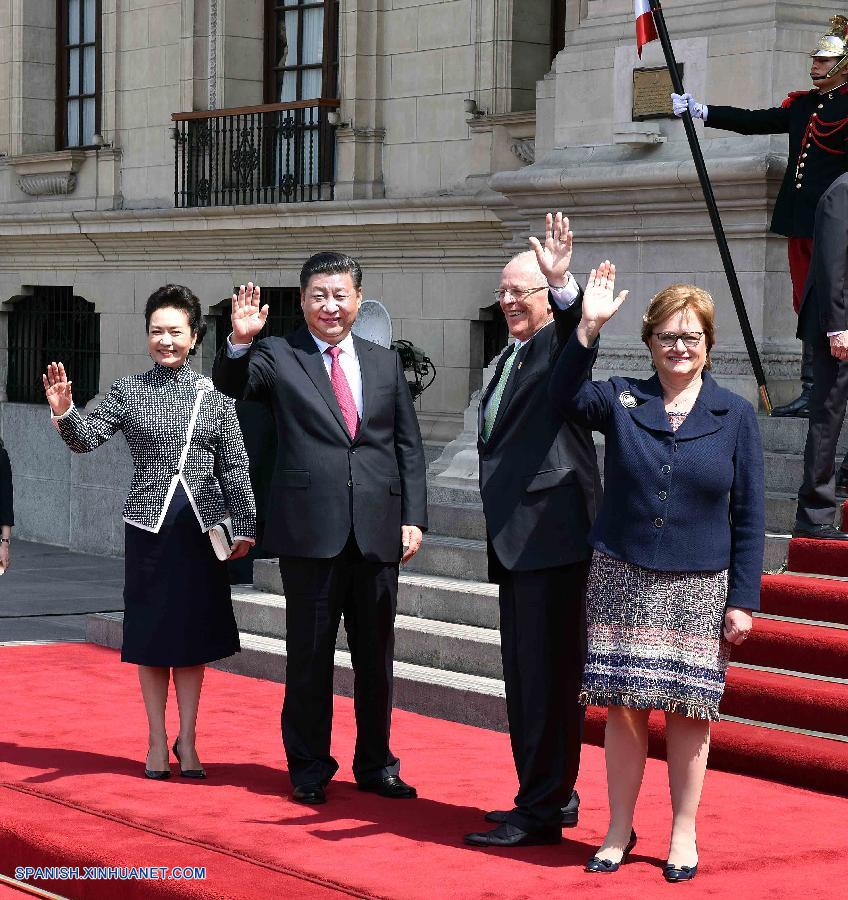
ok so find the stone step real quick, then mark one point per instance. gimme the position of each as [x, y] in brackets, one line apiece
[452, 600]
[457, 697]
[780, 512]
[790, 435]
[458, 520]
[422, 642]
[450, 557]
[777, 546]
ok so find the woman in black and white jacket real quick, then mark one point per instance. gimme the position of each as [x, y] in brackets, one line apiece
[178, 611]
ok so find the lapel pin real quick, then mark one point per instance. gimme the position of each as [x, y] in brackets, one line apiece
[627, 400]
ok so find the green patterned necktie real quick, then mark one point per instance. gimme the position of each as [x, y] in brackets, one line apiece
[497, 396]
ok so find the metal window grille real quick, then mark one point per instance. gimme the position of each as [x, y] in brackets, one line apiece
[53, 325]
[284, 315]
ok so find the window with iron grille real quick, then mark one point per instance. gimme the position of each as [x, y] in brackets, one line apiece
[301, 63]
[53, 325]
[78, 73]
[284, 314]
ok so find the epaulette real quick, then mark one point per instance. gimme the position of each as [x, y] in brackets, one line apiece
[793, 96]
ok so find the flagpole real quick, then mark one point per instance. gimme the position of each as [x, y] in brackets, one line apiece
[712, 208]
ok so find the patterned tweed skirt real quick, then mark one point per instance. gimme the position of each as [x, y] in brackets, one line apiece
[655, 639]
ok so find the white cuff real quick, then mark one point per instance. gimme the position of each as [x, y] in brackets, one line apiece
[834, 333]
[234, 351]
[565, 295]
[67, 412]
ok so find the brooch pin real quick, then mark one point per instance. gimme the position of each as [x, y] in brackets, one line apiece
[627, 400]
[204, 384]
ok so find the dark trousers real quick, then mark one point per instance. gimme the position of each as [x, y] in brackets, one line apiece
[817, 497]
[318, 593]
[543, 642]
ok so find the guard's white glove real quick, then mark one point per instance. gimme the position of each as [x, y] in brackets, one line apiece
[682, 102]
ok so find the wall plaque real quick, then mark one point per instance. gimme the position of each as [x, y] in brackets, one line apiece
[652, 93]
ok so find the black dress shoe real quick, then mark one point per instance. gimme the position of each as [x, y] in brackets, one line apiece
[507, 835]
[570, 813]
[311, 794]
[819, 532]
[188, 773]
[674, 874]
[607, 866]
[391, 786]
[157, 774]
[799, 408]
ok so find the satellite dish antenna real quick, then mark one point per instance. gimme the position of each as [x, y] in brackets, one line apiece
[373, 323]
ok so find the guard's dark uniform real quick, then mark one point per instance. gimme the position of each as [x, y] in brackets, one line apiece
[817, 125]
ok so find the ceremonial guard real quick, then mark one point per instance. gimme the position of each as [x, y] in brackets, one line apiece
[817, 124]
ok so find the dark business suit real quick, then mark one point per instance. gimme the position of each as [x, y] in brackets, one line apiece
[540, 487]
[334, 516]
[7, 515]
[825, 309]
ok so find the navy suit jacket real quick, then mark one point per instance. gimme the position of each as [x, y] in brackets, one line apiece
[684, 501]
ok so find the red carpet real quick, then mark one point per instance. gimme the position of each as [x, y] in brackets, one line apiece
[71, 793]
[820, 599]
[821, 557]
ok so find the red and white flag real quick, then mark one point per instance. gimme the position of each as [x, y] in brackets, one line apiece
[646, 31]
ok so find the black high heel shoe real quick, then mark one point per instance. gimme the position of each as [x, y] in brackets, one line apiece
[157, 774]
[607, 866]
[673, 874]
[187, 773]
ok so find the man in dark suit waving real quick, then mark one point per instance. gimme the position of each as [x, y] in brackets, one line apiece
[348, 498]
[823, 321]
[540, 487]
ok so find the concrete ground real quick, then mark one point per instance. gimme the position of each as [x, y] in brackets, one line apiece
[47, 592]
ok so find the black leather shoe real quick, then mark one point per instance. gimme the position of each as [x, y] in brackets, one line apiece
[819, 532]
[570, 813]
[311, 794]
[607, 866]
[157, 775]
[799, 408]
[507, 835]
[391, 786]
[674, 874]
[188, 773]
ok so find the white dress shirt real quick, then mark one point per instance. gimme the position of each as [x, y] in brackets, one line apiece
[348, 360]
[564, 297]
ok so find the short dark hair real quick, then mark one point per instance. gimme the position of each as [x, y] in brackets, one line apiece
[330, 263]
[176, 296]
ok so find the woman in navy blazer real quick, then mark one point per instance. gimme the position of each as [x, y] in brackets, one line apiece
[678, 549]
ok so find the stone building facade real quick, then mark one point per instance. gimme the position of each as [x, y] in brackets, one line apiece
[447, 129]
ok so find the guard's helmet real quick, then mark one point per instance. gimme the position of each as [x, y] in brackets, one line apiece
[834, 43]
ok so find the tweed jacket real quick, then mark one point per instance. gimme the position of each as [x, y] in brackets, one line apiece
[686, 501]
[817, 125]
[153, 409]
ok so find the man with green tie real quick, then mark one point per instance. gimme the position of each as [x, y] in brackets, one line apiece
[540, 487]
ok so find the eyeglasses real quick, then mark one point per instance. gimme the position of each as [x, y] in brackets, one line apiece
[670, 338]
[517, 295]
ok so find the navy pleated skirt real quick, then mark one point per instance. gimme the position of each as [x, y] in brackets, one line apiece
[177, 605]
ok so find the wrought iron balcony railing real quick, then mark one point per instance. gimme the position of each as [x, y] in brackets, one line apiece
[276, 153]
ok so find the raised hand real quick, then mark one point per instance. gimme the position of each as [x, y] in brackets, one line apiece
[599, 304]
[248, 317]
[554, 257]
[57, 388]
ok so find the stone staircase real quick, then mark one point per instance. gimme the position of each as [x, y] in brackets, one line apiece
[447, 644]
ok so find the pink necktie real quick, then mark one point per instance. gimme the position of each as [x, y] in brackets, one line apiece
[341, 388]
